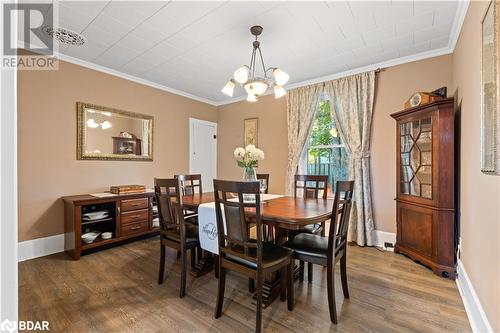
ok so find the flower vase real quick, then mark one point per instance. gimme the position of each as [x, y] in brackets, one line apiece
[249, 175]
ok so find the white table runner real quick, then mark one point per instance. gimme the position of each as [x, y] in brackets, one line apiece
[207, 224]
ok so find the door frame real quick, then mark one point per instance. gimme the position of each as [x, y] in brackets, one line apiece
[192, 122]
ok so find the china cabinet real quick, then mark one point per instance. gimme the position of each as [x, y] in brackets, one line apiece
[425, 203]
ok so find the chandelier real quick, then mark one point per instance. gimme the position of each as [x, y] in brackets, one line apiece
[255, 85]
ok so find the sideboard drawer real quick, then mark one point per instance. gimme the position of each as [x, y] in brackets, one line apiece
[135, 216]
[133, 228]
[134, 204]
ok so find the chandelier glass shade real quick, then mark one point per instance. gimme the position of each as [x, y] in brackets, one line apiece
[254, 85]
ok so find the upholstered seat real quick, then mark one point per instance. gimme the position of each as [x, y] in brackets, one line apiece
[307, 244]
[312, 228]
[272, 255]
[191, 235]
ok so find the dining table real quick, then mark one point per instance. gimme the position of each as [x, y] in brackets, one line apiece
[278, 213]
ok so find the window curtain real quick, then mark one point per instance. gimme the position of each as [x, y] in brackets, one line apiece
[301, 107]
[351, 102]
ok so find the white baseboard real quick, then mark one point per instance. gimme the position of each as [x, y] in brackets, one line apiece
[477, 317]
[40, 247]
[383, 236]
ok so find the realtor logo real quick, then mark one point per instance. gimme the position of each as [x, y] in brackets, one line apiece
[12, 326]
[8, 326]
[31, 18]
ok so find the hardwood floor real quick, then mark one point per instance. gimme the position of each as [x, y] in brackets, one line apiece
[116, 290]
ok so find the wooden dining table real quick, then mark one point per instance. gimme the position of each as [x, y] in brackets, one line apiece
[281, 213]
[285, 212]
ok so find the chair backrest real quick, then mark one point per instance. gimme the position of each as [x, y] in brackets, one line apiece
[266, 177]
[190, 184]
[169, 203]
[311, 186]
[235, 238]
[339, 222]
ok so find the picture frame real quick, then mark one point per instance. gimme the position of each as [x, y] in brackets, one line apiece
[251, 132]
[490, 90]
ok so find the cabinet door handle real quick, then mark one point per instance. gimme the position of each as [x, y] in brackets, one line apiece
[136, 216]
[136, 227]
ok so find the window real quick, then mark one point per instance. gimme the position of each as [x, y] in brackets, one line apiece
[325, 153]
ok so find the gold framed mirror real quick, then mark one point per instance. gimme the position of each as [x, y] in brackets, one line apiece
[110, 134]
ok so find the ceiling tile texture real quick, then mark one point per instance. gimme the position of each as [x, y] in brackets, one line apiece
[195, 47]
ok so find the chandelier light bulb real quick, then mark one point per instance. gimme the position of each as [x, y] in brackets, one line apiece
[91, 123]
[229, 88]
[256, 87]
[105, 125]
[280, 77]
[251, 98]
[279, 91]
[241, 74]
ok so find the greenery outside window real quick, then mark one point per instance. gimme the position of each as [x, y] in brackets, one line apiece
[325, 153]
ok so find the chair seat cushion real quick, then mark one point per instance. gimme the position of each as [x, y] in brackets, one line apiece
[307, 244]
[191, 235]
[312, 228]
[272, 255]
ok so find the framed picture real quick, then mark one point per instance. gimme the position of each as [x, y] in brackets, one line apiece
[251, 131]
[490, 91]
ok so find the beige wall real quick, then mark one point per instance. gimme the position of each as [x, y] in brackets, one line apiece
[480, 193]
[272, 139]
[47, 165]
[394, 87]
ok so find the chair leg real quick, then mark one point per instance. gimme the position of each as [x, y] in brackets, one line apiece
[301, 271]
[289, 278]
[323, 225]
[343, 275]
[220, 291]
[216, 266]
[258, 321]
[162, 264]
[331, 292]
[251, 285]
[283, 281]
[193, 257]
[309, 272]
[182, 291]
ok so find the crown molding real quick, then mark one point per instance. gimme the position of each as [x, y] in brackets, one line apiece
[463, 5]
[458, 22]
[132, 78]
[384, 64]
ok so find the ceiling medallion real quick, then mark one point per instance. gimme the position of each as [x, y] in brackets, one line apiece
[255, 85]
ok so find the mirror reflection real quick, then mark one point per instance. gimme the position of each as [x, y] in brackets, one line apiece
[114, 134]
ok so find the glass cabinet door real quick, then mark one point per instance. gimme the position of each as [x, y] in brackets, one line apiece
[416, 158]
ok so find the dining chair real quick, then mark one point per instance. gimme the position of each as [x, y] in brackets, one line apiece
[190, 184]
[264, 176]
[239, 253]
[327, 251]
[310, 186]
[176, 231]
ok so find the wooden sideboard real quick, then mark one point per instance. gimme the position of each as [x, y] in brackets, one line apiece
[426, 192]
[130, 216]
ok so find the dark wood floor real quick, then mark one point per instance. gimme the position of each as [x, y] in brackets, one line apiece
[116, 291]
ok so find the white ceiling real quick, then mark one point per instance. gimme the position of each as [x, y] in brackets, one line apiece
[194, 47]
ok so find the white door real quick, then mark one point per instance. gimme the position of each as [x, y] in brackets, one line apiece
[203, 151]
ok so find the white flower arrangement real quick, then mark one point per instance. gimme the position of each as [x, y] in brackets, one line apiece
[248, 157]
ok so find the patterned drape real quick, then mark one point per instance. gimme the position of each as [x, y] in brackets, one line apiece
[301, 107]
[351, 101]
